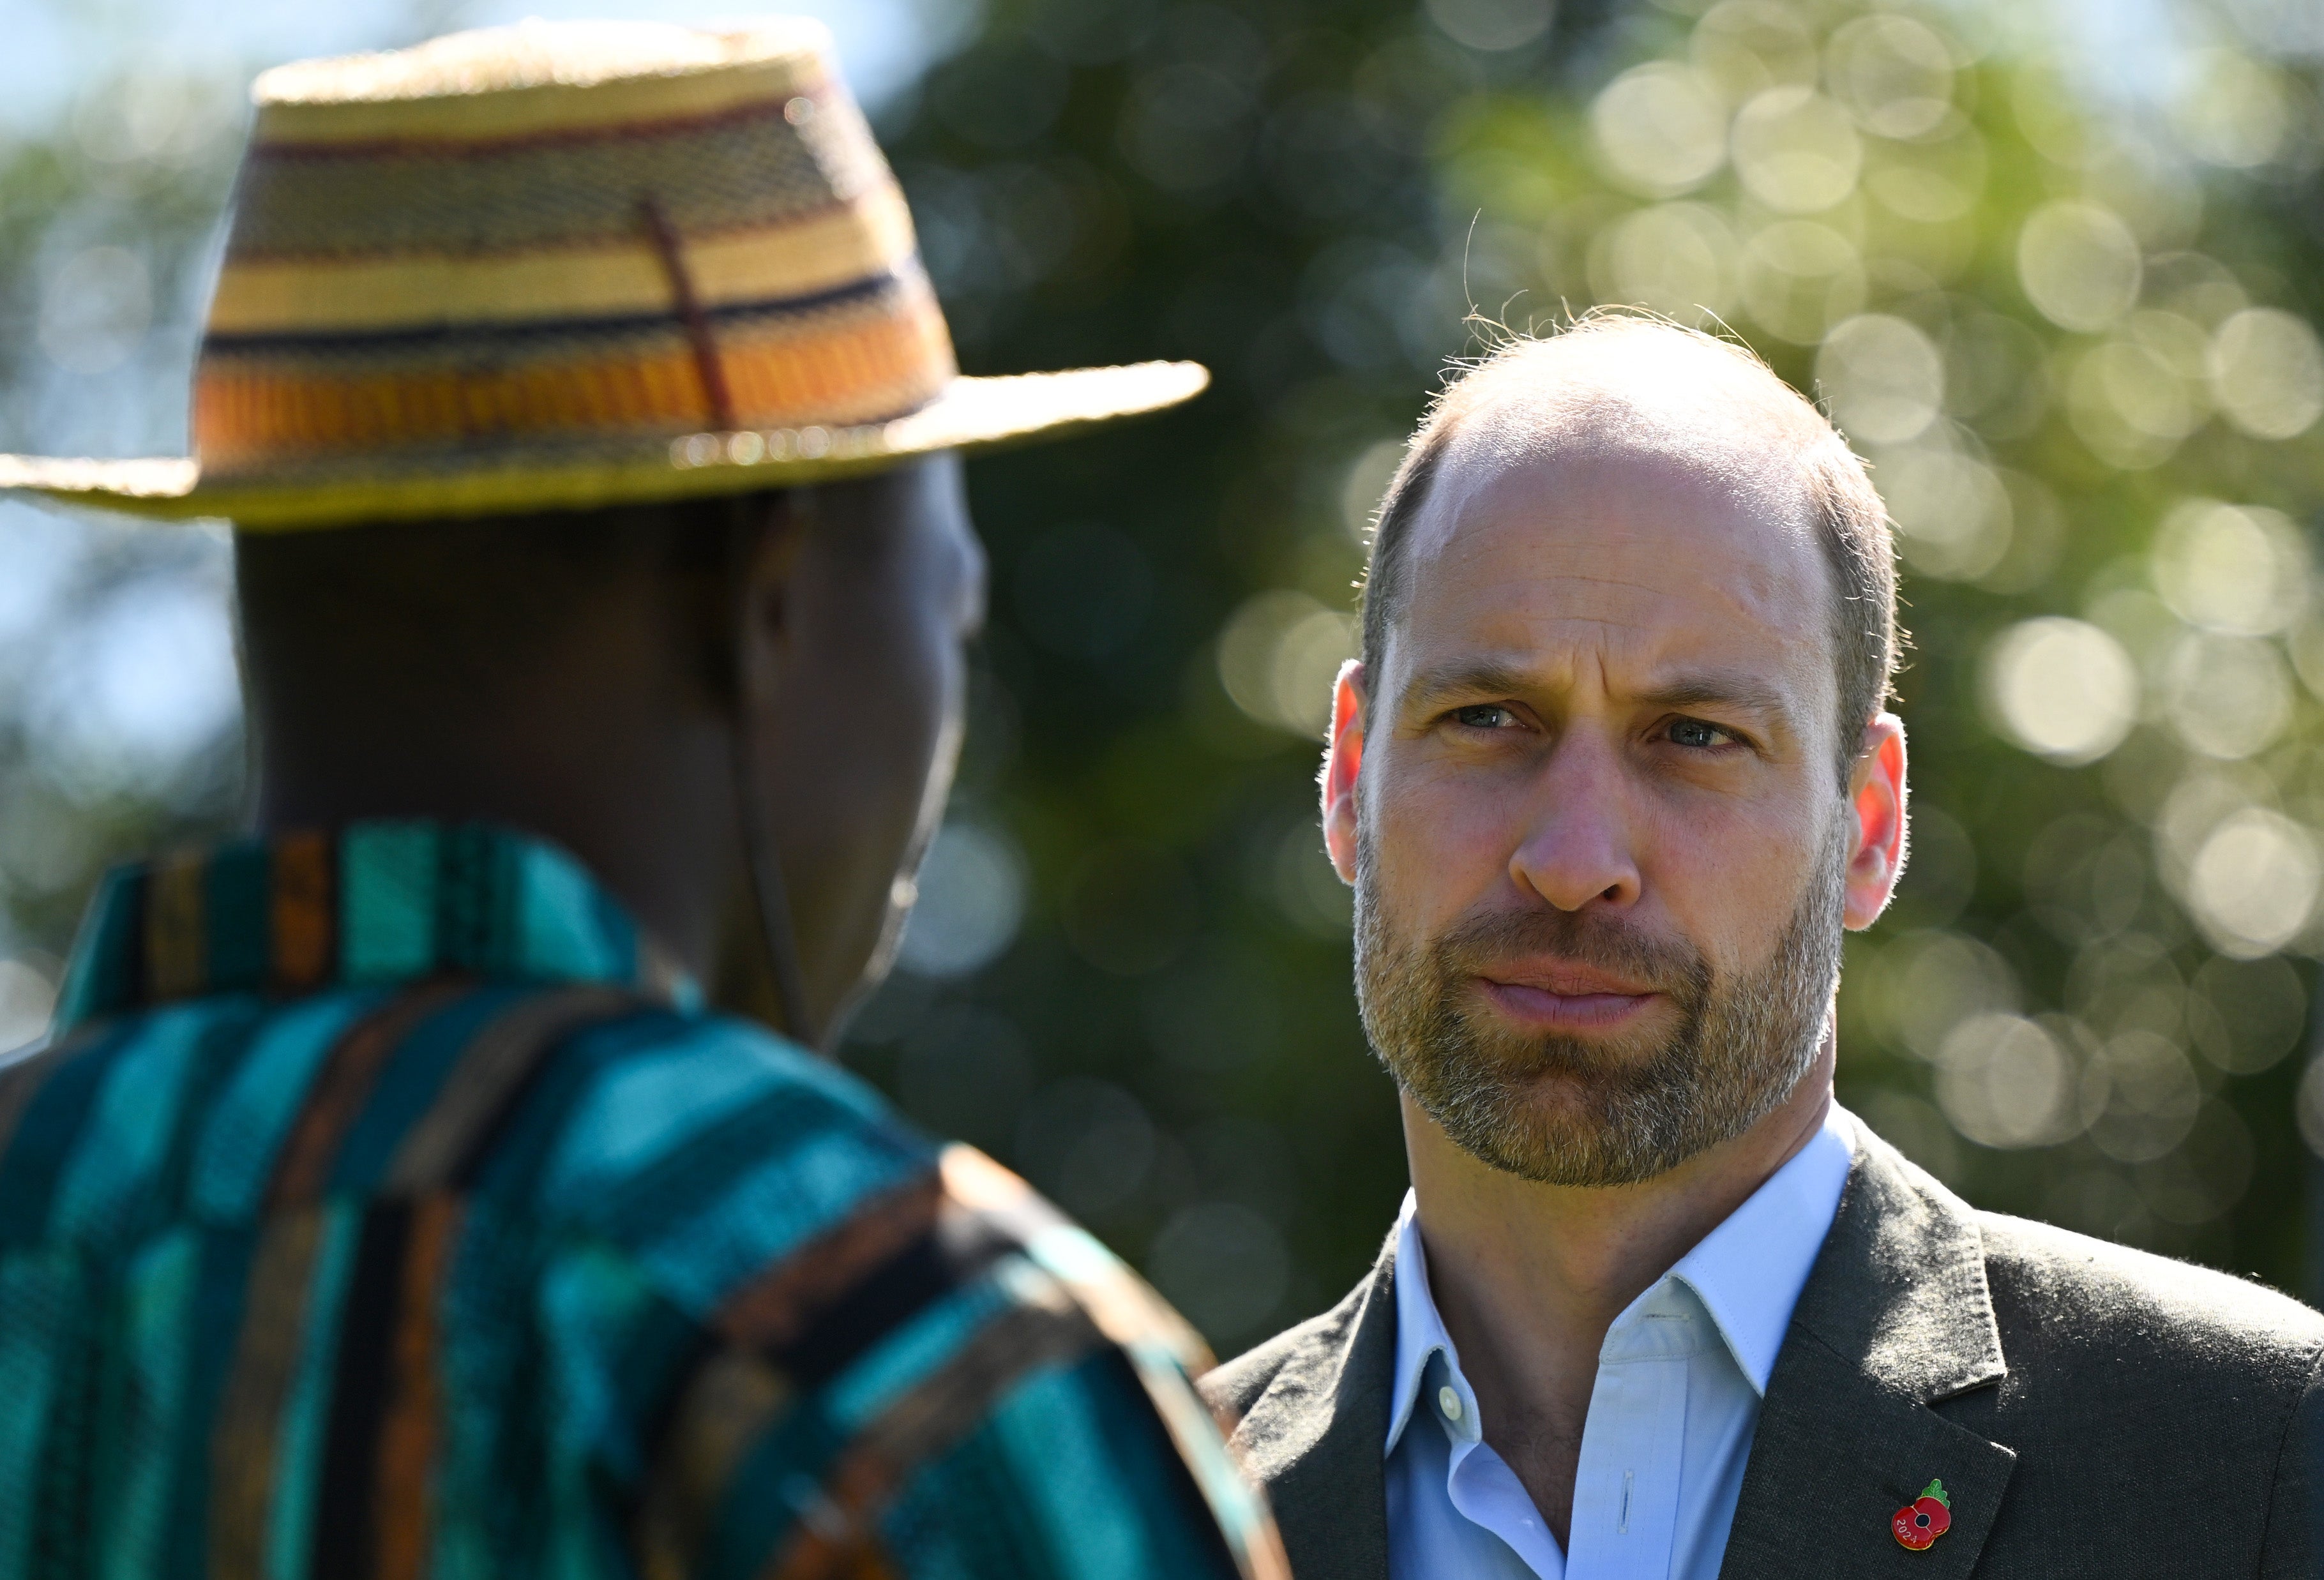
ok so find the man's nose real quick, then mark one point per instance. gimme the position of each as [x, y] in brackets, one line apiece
[1576, 850]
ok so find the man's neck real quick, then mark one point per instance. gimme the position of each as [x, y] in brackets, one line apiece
[1528, 1277]
[651, 815]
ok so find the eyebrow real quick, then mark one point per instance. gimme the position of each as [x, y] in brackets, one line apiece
[1719, 688]
[1468, 678]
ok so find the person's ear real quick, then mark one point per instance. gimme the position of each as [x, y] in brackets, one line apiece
[1343, 762]
[752, 616]
[1877, 798]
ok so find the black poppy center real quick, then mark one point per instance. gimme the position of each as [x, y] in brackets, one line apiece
[1922, 1520]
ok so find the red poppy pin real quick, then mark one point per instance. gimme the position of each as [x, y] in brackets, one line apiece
[1920, 1522]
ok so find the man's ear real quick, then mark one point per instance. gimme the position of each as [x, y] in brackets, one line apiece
[1876, 795]
[749, 609]
[1343, 760]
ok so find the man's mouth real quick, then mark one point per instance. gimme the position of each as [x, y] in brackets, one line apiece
[1565, 997]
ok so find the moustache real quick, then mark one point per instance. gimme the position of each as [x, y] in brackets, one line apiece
[1475, 944]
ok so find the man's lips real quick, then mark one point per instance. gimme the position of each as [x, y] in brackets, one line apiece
[1564, 998]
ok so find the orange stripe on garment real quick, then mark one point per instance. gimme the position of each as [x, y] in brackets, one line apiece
[305, 929]
[728, 1405]
[500, 1058]
[177, 950]
[734, 1394]
[404, 1506]
[779, 1304]
[343, 1088]
[243, 1437]
[840, 1537]
[246, 415]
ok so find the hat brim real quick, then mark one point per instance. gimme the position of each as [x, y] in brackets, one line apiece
[971, 414]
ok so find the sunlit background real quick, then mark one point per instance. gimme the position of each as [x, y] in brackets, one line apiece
[2052, 267]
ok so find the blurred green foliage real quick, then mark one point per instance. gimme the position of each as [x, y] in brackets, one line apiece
[2066, 322]
[118, 724]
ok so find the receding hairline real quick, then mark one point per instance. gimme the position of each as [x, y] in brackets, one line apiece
[1633, 386]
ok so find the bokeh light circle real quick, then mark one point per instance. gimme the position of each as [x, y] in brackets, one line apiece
[1883, 376]
[2062, 689]
[2253, 882]
[2079, 266]
[1661, 128]
[2243, 569]
[2267, 373]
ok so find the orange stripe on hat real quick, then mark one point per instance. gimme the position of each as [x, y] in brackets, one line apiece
[252, 414]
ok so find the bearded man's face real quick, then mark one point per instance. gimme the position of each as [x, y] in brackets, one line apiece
[1567, 1109]
[1593, 798]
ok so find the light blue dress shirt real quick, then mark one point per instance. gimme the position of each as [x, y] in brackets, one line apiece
[1680, 1378]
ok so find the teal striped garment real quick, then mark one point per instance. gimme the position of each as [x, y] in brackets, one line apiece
[386, 1206]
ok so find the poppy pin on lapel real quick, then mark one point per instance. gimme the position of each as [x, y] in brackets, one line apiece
[1920, 1522]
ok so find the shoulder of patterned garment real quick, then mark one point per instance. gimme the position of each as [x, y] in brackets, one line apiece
[1959, 1393]
[385, 1205]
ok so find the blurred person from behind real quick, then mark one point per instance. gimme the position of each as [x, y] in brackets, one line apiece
[1611, 776]
[387, 1202]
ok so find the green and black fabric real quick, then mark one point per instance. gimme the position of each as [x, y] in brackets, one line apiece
[2091, 1411]
[384, 1207]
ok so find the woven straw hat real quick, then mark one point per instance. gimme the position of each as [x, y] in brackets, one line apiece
[563, 265]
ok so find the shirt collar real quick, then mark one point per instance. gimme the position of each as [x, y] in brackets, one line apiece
[374, 903]
[1747, 1273]
[1420, 1335]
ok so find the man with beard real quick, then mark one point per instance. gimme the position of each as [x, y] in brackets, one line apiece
[1610, 778]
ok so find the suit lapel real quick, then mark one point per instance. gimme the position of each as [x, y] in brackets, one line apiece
[1317, 1437]
[1895, 1317]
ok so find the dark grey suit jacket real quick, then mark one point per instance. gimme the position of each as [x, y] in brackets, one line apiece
[2094, 1411]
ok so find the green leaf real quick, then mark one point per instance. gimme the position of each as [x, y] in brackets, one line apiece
[1936, 1489]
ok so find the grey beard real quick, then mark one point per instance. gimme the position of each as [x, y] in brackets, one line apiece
[1628, 1114]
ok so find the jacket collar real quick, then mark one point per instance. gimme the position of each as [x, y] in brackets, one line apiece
[1313, 1438]
[1895, 1318]
[373, 902]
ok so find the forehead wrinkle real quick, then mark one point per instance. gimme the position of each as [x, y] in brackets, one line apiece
[1621, 633]
[1756, 593]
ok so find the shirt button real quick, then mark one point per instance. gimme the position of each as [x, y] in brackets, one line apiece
[1449, 1402]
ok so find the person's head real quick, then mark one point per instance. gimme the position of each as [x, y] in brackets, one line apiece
[592, 676]
[1614, 769]
[744, 311]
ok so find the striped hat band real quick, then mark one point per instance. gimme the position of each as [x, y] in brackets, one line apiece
[559, 264]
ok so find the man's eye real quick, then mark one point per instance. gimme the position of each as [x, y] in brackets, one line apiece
[1482, 716]
[1696, 734]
